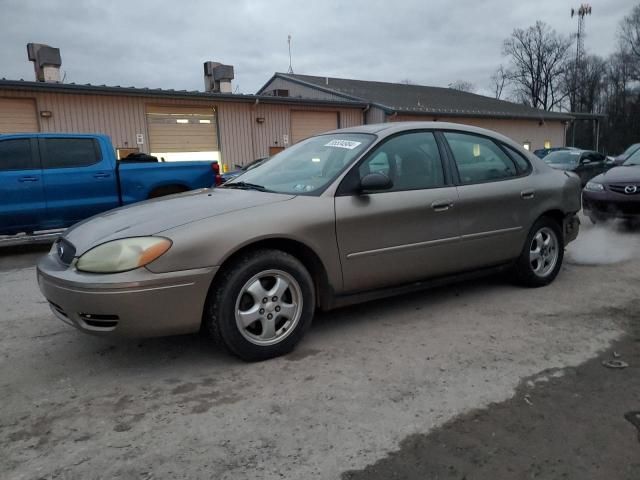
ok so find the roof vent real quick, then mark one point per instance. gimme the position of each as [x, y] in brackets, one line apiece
[217, 77]
[46, 62]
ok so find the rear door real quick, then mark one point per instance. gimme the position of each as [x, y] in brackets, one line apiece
[494, 199]
[22, 204]
[78, 180]
[404, 234]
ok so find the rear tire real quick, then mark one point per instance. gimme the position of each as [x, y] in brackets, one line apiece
[261, 305]
[542, 255]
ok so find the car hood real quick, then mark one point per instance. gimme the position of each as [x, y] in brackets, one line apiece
[630, 174]
[155, 216]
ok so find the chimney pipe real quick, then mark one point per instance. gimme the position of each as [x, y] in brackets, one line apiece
[46, 62]
[217, 77]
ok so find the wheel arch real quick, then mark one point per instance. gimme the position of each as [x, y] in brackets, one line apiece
[301, 251]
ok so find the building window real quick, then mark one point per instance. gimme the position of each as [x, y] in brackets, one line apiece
[547, 144]
[527, 146]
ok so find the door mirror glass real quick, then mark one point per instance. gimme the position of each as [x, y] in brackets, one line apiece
[375, 182]
[585, 161]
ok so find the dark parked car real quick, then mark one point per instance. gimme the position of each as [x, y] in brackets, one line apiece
[624, 156]
[584, 163]
[543, 152]
[615, 194]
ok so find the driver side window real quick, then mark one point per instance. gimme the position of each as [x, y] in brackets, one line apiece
[411, 161]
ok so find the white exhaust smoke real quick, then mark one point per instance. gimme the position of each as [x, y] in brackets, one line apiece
[604, 244]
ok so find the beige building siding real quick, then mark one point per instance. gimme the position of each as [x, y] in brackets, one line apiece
[519, 131]
[242, 137]
[375, 115]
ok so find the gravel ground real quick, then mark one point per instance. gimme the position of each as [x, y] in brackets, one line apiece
[366, 381]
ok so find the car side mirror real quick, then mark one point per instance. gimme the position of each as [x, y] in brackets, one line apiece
[585, 161]
[374, 182]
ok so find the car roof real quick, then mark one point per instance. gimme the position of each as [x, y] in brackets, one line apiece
[386, 129]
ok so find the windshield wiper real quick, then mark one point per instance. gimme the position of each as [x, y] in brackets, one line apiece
[246, 186]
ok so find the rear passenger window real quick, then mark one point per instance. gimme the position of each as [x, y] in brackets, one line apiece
[15, 154]
[411, 160]
[479, 159]
[70, 152]
[522, 163]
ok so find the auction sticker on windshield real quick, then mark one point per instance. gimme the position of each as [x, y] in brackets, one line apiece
[349, 144]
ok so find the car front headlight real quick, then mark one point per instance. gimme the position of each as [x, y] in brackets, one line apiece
[594, 187]
[122, 255]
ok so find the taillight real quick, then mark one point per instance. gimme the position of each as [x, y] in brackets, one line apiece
[215, 166]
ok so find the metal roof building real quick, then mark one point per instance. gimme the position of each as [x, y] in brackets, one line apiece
[401, 102]
[176, 125]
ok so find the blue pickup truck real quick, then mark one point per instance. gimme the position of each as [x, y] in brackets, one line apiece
[51, 181]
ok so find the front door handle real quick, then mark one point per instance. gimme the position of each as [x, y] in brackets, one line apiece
[101, 175]
[527, 194]
[442, 205]
[28, 179]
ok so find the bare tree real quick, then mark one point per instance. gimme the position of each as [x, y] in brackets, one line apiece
[537, 62]
[629, 36]
[499, 80]
[463, 86]
[584, 85]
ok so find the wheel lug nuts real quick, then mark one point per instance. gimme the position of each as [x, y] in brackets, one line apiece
[265, 300]
[269, 316]
[274, 299]
[261, 311]
[277, 309]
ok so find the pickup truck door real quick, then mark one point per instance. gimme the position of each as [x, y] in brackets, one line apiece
[79, 179]
[22, 204]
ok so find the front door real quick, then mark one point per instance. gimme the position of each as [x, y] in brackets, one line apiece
[407, 233]
[22, 205]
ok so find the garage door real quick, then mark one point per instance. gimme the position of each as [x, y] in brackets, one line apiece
[18, 115]
[306, 124]
[183, 133]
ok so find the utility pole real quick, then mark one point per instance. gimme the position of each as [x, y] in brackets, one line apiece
[582, 11]
[290, 66]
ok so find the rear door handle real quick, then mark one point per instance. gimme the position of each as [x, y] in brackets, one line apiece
[101, 175]
[442, 205]
[28, 179]
[527, 194]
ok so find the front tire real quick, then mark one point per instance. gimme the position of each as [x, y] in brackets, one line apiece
[261, 305]
[542, 255]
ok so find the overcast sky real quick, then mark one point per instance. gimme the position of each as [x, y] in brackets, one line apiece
[163, 43]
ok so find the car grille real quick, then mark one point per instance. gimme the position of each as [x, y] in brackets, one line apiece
[623, 188]
[625, 208]
[66, 251]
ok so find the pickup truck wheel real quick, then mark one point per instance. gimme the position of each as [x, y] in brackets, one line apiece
[542, 255]
[261, 305]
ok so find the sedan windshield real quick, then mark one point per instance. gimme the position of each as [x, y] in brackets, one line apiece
[307, 167]
[633, 159]
[565, 157]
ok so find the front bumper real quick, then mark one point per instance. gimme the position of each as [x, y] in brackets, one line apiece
[611, 205]
[137, 303]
